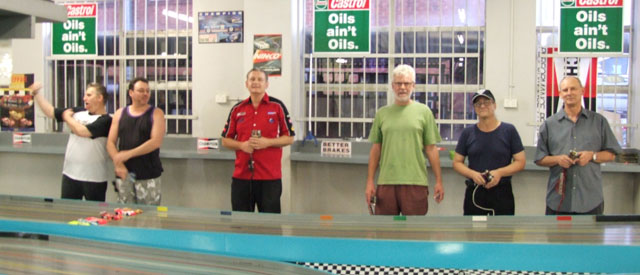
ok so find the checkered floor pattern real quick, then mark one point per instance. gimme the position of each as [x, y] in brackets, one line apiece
[383, 270]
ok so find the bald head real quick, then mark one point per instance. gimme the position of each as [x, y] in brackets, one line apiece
[571, 78]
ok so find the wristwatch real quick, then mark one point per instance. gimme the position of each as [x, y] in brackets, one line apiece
[595, 157]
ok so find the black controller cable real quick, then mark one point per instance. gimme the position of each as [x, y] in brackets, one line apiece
[487, 177]
[251, 168]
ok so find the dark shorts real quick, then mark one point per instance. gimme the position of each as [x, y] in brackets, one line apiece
[75, 189]
[499, 199]
[405, 199]
[599, 210]
[246, 194]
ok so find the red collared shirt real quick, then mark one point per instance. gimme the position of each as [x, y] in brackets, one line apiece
[272, 119]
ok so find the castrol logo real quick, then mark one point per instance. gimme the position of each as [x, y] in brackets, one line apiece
[599, 3]
[81, 10]
[348, 4]
[321, 4]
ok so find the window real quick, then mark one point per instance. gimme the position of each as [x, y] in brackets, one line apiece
[135, 38]
[442, 39]
[610, 88]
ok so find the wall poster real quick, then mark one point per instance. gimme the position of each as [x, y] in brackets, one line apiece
[16, 104]
[267, 54]
[221, 27]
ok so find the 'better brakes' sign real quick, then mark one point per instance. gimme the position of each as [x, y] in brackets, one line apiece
[77, 36]
[341, 26]
[591, 26]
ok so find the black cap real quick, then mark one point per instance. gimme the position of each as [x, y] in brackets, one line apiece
[483, 93]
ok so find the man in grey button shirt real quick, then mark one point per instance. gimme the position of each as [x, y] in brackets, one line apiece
[573, 143]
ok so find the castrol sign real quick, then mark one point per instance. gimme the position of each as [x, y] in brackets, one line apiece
[81, 10]
[591, 3]
[348, 4]
[591, 26]
[341, 26]
[599, 3]
[76, 36]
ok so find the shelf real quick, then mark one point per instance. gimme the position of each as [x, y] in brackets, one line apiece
[17, 17]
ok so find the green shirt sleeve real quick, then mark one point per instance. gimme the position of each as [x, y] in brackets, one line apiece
[431, 135]
[375, 135]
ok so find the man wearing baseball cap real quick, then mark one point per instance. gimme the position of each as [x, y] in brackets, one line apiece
[495, 153]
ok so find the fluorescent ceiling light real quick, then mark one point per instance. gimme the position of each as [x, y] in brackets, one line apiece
[174, 14]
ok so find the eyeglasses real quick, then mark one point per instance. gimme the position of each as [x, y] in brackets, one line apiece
[400, 84]
[483, 103]
[141, 90]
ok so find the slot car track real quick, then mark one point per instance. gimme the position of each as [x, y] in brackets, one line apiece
[610, 237]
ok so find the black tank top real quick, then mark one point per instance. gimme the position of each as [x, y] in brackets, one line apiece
[133, 131]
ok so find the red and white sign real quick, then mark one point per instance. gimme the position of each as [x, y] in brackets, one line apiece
[266, 56]
[21, 138]
[348, 4]
[207, 143]
[81, 10]
[598, 3]
[586, 70]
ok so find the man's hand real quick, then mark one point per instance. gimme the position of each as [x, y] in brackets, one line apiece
[66, 114]
[496, 179]
[122, 157]
[584, 157]
[478, 178]
[439, 192]
[246, 147]
[565, 161]
[258, 143]
[35, 88]
[369, 192]
[121, 171]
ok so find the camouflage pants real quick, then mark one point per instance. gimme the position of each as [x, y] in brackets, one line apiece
[139, 191]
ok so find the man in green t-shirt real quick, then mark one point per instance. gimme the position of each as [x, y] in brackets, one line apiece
[399, 134]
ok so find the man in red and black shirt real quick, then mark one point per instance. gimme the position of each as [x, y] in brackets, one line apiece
[257, 128]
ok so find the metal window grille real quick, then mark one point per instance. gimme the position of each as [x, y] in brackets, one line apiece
[151, 39]
[612, 90]
[442, 39]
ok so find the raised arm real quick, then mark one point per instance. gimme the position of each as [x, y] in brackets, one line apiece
[42, 102]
